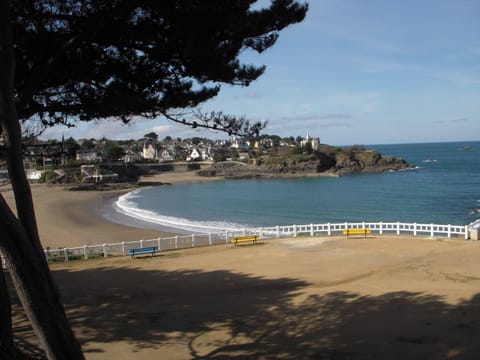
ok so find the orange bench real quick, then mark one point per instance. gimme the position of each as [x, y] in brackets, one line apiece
[249, 238]
[363, 232]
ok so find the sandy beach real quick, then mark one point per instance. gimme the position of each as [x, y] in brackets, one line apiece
[383, 297]
[73, 218]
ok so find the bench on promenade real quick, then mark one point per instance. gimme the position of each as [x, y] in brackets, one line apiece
[249, 238]
[140, 251]
[363, 232]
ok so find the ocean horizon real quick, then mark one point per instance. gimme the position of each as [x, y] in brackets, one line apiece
[443, 187]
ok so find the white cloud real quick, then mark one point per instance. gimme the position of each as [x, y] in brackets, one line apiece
[294, 125]
[108, 128]
[452, 121]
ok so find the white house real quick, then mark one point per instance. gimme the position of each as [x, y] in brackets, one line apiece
[238, 143]
[88, 156]
[131, 156]
[149, 152]
[194, 155]
[313, 141]
[166, 155]
[200, 154]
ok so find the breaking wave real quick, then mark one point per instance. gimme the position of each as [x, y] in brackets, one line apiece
[127, 206]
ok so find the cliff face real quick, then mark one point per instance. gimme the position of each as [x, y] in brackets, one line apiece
[367, 161]
[329, 161]
[312, 163]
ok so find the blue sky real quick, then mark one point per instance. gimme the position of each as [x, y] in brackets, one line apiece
[354, 72]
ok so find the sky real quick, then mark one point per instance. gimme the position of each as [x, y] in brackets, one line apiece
[354, 72]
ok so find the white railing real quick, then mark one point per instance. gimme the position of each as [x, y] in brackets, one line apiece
[122, 248]
[225, 237]
[475, 224]
[380, 228]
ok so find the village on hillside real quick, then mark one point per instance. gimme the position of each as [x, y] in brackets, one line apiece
[48, 161]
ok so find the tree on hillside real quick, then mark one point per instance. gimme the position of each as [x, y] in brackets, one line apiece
[87, 144]
[152, 136]
[70, 147]
[113, 152]
[66, 61]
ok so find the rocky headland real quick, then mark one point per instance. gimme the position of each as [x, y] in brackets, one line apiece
[328, 161]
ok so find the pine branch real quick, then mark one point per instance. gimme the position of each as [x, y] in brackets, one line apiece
[218, 121]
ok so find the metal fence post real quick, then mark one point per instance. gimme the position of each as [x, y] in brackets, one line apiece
[105, 250]
[85, 252]
[65, 254]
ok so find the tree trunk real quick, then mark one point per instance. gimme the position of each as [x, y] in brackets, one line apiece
[36, 291]
[6, 333]
[7, 347]
[19, 238]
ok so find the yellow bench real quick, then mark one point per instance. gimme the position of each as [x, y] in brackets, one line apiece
[363, 232]
[248, 238]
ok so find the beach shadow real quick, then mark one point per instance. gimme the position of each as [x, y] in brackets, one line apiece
[147, 307]
[228, 315]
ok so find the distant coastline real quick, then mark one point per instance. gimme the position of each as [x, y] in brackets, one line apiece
[327, 161]
[442, 192]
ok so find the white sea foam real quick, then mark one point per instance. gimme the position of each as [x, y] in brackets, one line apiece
[475, 224]
[126, 206]
[412, 168]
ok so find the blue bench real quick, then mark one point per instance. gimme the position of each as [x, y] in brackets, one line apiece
[146, 250]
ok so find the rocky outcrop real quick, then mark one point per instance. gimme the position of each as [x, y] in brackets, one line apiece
[368, 161]
[333, 162]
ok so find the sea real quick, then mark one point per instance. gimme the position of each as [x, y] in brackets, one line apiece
[442, 187]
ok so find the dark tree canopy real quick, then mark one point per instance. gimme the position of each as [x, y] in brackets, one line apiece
[114, 152]
[96, 59]
[151, 136]
[69, 60]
